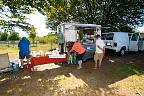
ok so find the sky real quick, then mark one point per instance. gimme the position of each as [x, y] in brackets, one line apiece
[38, 20]
[141, 29]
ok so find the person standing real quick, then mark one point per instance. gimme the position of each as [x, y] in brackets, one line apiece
[99, 52]
[80, 50]
[24, 50]
[61, 42]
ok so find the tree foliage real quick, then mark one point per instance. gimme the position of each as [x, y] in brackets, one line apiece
[14, 36]
[32, 34]
[4, 36]
[46, 39]
[52, 38]
[12, 17]
[117, 14]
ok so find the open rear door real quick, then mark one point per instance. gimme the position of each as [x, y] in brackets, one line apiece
[133, 45]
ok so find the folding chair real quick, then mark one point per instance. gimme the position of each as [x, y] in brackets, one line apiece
[4, 63]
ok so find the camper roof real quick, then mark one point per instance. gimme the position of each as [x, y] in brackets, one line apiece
[69, 25]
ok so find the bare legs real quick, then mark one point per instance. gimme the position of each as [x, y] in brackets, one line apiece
[98, 64]
[27, 61]
[22, 62]
[80, 64]
[98, 59]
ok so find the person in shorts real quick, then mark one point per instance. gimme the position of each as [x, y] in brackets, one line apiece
[80, 50]
[24, 50]
[99, 52]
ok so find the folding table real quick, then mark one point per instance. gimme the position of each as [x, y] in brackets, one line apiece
[39, 60]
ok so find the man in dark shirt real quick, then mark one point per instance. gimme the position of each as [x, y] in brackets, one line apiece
[24, 50]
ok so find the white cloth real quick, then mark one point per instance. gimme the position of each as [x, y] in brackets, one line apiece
[57, 55]
[100, 43]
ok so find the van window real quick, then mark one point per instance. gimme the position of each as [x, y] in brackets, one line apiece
[109, 36]
[103, 36]
[135, 37]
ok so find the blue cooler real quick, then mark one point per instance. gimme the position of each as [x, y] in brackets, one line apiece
[15, 67]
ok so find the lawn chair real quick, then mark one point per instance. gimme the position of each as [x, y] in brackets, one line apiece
[4, 63]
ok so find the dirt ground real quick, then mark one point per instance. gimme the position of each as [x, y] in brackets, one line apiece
[119, 76]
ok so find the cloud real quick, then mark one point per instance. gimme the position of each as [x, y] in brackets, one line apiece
[39, 22]
[21, 33]
[141, 29]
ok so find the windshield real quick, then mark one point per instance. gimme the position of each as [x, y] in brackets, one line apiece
[109, 36]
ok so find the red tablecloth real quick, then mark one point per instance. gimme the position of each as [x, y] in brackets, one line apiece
[43, 60]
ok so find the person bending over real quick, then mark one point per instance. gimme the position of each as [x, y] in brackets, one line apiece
[80, 50]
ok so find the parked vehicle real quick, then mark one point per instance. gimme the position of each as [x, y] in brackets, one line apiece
[103, 37]
[124, 41]
[86, 33]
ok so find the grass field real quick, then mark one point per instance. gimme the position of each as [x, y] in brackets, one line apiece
[120, 76]
[13, 49]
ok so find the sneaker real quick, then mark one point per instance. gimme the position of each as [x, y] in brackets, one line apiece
[21, 67]
[79, 67]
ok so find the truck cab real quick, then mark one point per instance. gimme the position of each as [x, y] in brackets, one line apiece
[85, 32]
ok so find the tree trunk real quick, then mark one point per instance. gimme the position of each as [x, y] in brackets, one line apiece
[8, 44]
[36, 43]
[13, 42]
[51, 44]
[33, 42]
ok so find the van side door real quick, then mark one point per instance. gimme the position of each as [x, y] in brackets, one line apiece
[133, 43]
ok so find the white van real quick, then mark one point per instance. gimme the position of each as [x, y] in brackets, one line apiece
[124, 41]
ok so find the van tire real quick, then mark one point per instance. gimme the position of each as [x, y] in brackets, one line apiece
[122, 52]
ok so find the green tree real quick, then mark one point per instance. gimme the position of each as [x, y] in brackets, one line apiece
[15, 19]
[41, 39]
[4, 36]
[52, 38]
[14, 36]
[32, 34]
[113, 13]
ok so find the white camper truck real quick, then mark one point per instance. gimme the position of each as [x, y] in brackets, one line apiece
[68, 35]
[124, 41]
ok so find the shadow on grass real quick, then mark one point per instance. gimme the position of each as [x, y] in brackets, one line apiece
[68, 81]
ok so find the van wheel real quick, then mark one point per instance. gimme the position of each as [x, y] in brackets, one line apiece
[122, 52]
